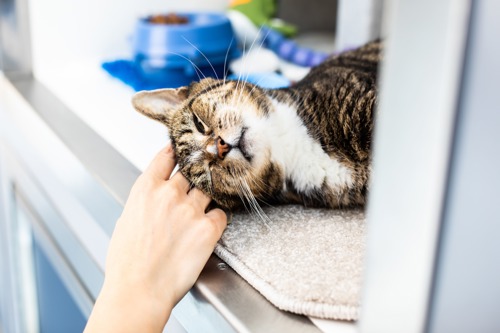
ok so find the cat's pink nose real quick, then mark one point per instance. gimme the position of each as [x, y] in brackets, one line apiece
[222, 148]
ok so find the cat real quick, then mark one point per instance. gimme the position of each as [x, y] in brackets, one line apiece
[244, 145]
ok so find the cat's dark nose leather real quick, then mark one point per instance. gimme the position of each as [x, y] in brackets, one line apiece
[223, 148]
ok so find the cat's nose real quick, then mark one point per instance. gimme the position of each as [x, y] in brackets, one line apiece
[222, 148]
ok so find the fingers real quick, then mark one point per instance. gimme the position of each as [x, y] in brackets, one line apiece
[162, 165]
[199, 198]
[161, 168]
[179, 181]
[219, 218]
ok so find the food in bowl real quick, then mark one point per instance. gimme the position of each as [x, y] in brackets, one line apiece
[170, 18]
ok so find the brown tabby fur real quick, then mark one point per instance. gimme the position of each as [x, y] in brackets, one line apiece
[336, 102]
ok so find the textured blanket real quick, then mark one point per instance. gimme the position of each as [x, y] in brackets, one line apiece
[306, 261]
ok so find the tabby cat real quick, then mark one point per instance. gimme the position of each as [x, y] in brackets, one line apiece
[243, 145]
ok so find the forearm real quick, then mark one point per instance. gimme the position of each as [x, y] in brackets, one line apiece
[123, 311]
[158, 248]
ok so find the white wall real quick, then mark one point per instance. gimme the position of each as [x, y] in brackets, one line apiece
[68, 31]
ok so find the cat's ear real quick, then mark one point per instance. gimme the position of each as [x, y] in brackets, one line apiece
[158, 104]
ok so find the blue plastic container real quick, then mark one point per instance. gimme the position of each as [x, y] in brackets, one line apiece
[173, 55]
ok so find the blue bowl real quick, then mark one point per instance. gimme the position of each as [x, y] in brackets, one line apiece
[176, 54]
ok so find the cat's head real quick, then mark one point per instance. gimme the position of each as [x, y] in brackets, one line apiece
[221, 138]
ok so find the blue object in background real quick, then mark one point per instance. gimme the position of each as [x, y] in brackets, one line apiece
[129, 73]
[174, 55]
[288, 49]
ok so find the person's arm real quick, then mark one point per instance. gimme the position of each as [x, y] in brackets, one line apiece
[159, 246]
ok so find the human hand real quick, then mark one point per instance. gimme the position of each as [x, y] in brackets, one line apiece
[159, 246]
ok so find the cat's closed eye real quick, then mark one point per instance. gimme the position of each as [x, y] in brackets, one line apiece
[199, 125]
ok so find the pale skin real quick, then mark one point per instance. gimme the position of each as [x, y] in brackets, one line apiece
[159, 246]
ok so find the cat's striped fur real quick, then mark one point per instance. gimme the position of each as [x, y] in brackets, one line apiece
[244, 145]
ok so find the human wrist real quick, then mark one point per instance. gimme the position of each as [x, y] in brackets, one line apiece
[132, 308]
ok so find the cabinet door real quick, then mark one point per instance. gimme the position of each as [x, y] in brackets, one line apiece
[40, 290]
[55, 307]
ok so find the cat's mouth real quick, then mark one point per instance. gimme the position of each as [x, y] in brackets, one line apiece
[243, 145]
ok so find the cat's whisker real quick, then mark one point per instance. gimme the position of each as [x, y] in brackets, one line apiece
[261, 44]
[256, 85]
[262, 188]
[204, 56]
[249, 95]
[239, 74]
[246, 58]
[246, 73]
[250, 198]
[255, 205]
[241, 194]
[246, 198]
[198, 70]
[225, 58]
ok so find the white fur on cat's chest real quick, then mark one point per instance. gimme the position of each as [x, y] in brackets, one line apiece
[301, 158]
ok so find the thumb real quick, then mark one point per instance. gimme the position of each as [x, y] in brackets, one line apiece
[218, 218]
